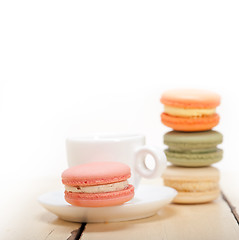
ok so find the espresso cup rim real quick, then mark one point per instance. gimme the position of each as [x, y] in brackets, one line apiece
[105, 137]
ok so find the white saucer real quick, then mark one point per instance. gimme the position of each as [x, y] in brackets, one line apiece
[146, 202]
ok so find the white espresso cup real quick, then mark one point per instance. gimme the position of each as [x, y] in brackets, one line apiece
[128, 149]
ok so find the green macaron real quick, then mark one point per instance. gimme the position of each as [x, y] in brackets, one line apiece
[194, 149]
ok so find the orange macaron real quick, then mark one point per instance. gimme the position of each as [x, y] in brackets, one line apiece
[190, 110]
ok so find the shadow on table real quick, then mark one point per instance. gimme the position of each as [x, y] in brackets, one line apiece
[165, 213]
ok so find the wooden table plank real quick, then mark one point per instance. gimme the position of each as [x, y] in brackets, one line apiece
[23, 218]
[205, 221]
[230, 186]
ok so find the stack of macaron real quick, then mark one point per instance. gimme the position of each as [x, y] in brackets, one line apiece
[192, 145]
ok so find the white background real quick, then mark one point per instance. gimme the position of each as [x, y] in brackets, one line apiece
[80, 67]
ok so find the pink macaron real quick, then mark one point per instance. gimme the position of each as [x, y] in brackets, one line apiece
[97, 184]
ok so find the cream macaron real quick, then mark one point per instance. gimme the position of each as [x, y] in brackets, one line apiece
[194, 185]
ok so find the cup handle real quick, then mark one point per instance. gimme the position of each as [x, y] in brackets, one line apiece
[159, 159]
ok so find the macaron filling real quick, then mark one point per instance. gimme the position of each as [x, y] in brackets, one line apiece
[188, 112]
[118, 186]
[116, 195]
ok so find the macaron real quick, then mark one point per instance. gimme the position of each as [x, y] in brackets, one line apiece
[190, 110]
[97, 184]
[195, 185]
[193, 149]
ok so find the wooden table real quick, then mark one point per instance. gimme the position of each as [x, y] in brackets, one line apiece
[22, 218]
